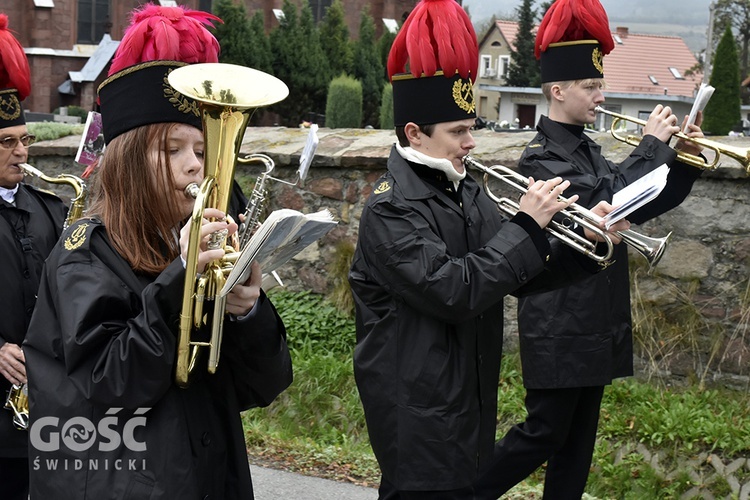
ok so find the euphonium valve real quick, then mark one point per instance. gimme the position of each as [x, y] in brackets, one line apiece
[227, 95]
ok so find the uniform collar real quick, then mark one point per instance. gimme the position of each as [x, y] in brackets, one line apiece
[9, 195]
[561, 134]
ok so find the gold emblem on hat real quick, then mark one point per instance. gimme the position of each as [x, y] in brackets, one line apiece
[383, 187]
[10, 107]
[76, 238]
[463, 95]
[598, 59]
[179, 101]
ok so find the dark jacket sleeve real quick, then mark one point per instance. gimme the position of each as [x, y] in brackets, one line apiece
[411, 261]
[119, 346]
[256, 352]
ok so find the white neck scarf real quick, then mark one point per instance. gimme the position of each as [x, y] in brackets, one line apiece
[8, 195]
[441, 164]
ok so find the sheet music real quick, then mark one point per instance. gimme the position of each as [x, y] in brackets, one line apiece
[284, 234]
[635, 195]
[701, 99]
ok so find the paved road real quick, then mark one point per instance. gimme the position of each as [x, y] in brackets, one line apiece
[272, 484]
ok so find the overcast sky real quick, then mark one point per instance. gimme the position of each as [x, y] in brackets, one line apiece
[685, 18]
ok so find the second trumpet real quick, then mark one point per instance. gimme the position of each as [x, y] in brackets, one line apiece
[651, 249]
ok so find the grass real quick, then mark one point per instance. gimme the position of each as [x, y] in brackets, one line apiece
[317, 425]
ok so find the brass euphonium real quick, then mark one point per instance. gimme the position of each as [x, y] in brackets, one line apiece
[227, 95]
[77, 203]
[740, 154]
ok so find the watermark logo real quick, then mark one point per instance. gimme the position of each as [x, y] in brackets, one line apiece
[79, 434]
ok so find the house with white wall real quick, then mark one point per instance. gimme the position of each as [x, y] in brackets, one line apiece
[641, 72]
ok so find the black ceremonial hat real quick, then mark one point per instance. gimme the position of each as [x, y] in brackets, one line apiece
[572, 40]
[158, 40]
[439, 44]
[15, 77]
[141, 95]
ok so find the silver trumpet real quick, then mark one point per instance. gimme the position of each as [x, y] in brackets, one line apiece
[575, 215]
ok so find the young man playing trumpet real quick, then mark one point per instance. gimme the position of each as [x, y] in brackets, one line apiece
[577, 339]
[433, 262]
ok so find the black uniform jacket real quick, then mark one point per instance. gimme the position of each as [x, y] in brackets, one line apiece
[580, 335]
[28, 232]
[107, 420]
[428, 279]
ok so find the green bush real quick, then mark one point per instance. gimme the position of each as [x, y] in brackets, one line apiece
[386, 108]
[313, 324]
[344, 104]
[48, 131]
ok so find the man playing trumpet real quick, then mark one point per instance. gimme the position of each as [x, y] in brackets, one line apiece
[577, 339]
[433, 262]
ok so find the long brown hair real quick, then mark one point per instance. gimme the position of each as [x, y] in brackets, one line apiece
[137, 201]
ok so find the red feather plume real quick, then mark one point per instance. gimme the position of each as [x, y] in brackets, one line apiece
[167, 33]
[14, 67]
[438, 34]
[570, 20]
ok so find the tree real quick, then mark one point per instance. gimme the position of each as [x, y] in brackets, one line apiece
[735, 14]
[723, 110]
[260, 56]
[368, 69]
[298, 60]
[235, 34]
[285, 45]
[384, 48]
[523, 70]
[312, 72]
[334, 38]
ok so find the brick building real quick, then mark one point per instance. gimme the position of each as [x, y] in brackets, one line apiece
[69, 43]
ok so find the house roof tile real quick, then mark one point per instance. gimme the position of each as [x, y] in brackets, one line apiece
[636, 58]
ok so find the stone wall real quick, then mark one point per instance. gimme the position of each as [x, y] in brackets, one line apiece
[692, 312]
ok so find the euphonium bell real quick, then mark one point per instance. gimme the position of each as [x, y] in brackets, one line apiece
[227, 95]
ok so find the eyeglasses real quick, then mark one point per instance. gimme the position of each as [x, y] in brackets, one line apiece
[11, 142]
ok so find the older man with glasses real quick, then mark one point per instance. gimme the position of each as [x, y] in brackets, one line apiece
[30, 223]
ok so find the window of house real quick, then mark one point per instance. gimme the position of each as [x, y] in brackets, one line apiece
[503, 63]
[676, 73]
[496, 43]
[485, 67]
[319, 8]
[653, 79]
[93, 18]
[44, 3]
